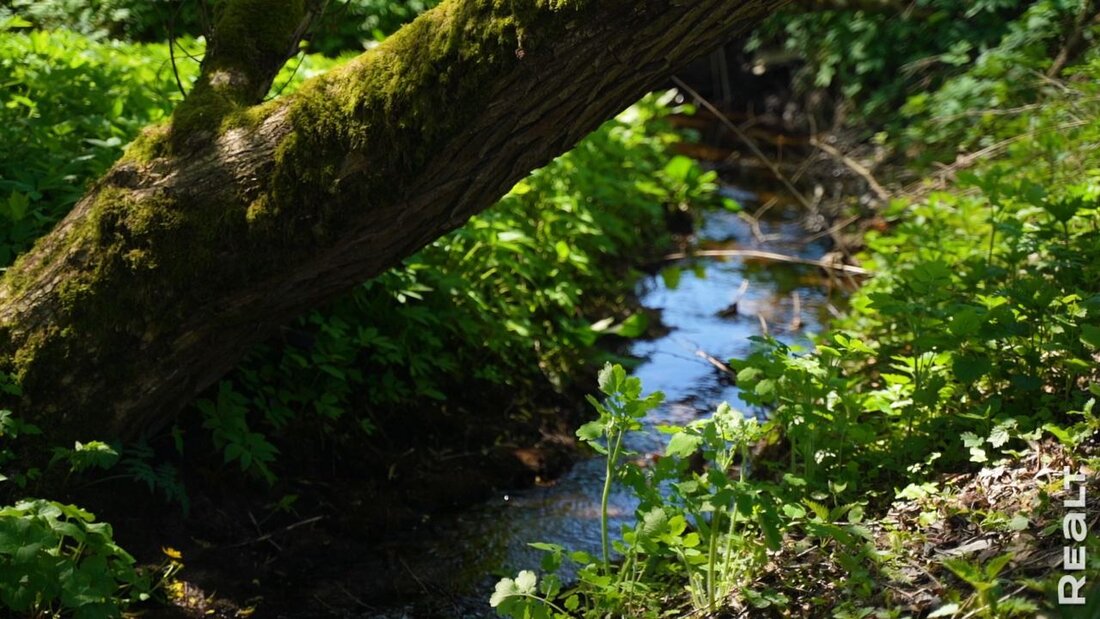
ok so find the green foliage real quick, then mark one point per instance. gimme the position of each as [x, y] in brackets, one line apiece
[99, 19]
[84, 456]
[348, 25]
[967, 109]
[984, 580]
[982, 316]
[876, 58]
[67, 108]
[703, 528]
[511, 295]
[12, 465]
[140, 463]
[55, 559]
[524, 598]
[226, 418]
[620, 413]
[976, 339]
[356, 24]
[937, 73]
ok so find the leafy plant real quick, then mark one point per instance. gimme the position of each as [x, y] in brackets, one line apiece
[55, 558]
[620, 413]
[699, 527]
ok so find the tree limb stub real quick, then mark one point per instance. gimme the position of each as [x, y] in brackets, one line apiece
[218, 227]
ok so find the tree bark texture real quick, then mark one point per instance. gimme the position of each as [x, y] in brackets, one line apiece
[215, 228]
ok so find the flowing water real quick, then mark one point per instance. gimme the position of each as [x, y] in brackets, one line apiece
[447, 560]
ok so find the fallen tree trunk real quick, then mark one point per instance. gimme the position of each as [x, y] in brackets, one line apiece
[233, 218]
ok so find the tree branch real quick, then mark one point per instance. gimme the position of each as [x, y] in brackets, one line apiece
[218, 227]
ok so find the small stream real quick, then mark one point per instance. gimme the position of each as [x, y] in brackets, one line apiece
[449, 558]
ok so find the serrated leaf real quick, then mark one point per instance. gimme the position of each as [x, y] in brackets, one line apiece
[1001, 433]
[996, 564]
[818, 509]
[970, 439]
[654, 522]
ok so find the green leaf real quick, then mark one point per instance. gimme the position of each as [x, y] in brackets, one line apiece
[634, 326]
[748, 374]
[1001, 433]
[671, 277]
[590, 431]
[524, 584]
[819, 510]
[683, 445]
[855, 514]
[654, 523]
[561, 248]
[969, 368]
[611, 379]
[679, 168]
[1090, 336]
[15, 22]
[793, 511]
[970, 439]
[996, 564]
[505, 588]
[966, 571]
[765, 388]
[965, 322]
[1019, 522]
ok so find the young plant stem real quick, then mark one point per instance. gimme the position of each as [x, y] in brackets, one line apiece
[727, 562]
[712, 559]
[545, 601]
[612, 459]
[992, 232]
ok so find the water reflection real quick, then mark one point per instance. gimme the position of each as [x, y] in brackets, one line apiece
[493, 537]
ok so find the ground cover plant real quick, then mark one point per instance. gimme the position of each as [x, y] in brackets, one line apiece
[925, 435]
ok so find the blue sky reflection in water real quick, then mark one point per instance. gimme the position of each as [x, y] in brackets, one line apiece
[493, 537]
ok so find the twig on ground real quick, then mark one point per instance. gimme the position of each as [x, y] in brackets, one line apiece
[854, 166]
[744, 137]
[267, 536]
[768, 255]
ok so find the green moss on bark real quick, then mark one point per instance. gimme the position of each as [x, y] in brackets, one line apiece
[358, 138]
[251, 41]
[252, 35]
[406, 98]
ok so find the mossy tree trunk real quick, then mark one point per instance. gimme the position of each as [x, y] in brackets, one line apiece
[236, 216]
